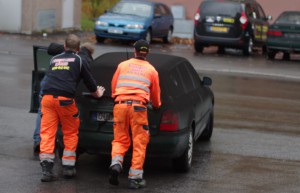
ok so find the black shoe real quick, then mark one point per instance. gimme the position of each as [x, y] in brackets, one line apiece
[69, 171]
[48, 175]
[36, 147]
[115, 170]
[137, 183]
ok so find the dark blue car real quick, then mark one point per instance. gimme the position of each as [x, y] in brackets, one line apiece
[133, 20]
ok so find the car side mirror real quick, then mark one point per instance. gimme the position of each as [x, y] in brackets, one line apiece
[206, 81]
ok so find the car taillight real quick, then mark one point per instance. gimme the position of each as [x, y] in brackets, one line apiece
[274, 33]
[169, 121]
[197, 16]
[244, 20]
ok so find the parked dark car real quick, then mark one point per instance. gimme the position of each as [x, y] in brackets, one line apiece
[134, 20]
[186, 115]
[284, 35]
[239, 24]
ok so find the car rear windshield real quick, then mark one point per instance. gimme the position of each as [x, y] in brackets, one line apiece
[130, 8]
[289, 18]
[220, 8]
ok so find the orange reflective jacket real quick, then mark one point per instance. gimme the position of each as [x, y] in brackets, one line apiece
[136, 79]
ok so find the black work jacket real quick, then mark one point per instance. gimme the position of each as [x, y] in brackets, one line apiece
[65, 72]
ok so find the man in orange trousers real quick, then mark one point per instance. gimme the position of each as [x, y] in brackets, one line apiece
[134, 84]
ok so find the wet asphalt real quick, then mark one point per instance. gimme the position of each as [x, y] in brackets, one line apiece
[255, 145]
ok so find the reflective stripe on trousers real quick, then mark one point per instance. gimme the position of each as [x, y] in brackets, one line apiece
[134, 117]
[47, 157]
[117, 160]
[55, 110]
[135, 174]
[69, 158]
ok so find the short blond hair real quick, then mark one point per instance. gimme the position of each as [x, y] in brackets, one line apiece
[89, 46]
[72, 42]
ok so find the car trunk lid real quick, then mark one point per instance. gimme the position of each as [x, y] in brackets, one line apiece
[219, 19]
[285, 33]
[95, 114]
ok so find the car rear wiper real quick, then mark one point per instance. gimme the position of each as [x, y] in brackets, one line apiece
[88, 95]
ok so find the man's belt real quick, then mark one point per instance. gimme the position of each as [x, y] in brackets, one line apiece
[130, 102]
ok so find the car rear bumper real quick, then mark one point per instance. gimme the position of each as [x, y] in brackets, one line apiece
[220, 41]
[166, 144]
[286, 46]
[126, 34]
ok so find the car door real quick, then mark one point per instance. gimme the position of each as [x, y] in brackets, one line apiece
[157, 24]
[167, 19]
[259, 24]
[41, 62]
[264, 23]
[202, 100]
[193, 97]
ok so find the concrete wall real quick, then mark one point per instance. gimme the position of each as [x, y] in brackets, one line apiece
[37, 15]
[275, 7]
[271, 7]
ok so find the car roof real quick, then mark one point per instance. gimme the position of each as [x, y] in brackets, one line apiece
[141, 1]
[161, 62]
[235, 1]
[104, 66]
[293, 12]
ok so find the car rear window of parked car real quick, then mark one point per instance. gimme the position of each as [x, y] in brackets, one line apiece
[291, 18]
[227, 9]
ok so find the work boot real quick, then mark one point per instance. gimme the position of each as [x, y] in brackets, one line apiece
[48, 175]
[115, 170]
[69, 171]
[137, 183]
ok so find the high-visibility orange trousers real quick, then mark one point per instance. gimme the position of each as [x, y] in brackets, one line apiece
[55, 110]
[135, 117]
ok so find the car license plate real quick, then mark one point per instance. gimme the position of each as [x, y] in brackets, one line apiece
[102, 116]
[293, 36]
[115, 31]
[219, 29]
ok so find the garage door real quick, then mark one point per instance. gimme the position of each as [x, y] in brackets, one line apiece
[10, 10]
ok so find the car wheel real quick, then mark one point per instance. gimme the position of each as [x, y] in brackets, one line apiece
[221, 50]
[264, 50]
[286, 56]
[248, 49]
[184, 162]
[168, 38]
[270, 55]
[207, 133]
[148, 37]
[99, 39]
[198, 47]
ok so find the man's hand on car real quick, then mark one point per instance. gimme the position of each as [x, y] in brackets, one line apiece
[99, 92]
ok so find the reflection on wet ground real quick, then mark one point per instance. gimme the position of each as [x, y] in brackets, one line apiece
[254, 148]
[257, 104]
